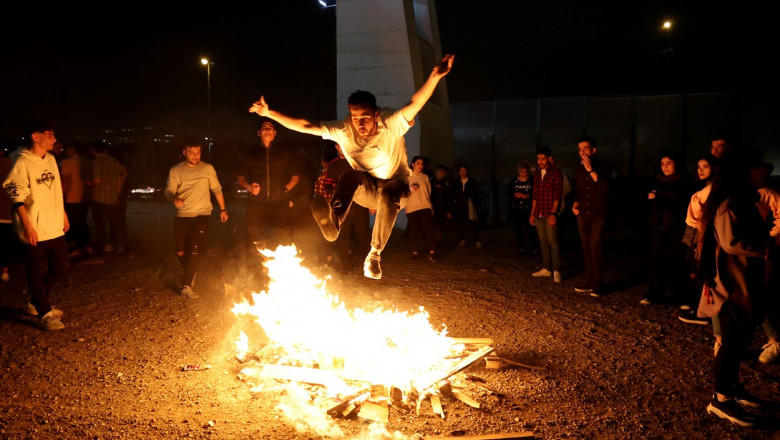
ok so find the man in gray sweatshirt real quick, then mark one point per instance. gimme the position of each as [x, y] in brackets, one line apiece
[189, 183]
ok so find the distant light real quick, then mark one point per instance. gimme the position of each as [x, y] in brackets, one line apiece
[667, 24]
[204, 61]
[327, 3]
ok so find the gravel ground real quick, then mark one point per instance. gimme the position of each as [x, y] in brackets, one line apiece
[613, 369]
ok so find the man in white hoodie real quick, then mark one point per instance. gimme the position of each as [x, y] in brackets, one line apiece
[35, 189]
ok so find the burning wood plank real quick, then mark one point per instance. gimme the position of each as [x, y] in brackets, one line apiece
[502, 436]
[344, 407]
[374, 411]
[463, 364]
[314, 376]
[473, 341]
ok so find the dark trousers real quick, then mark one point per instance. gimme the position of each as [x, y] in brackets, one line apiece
[268, 223]
[9, 244]
[467, 228]
[667, 265]
[104, 215]
[78, 234]
[592, 238]
[45, 263]
[372, 193]
[354, 236]
[737, 333]
[190, 239]
[525, 234]
[421, 230]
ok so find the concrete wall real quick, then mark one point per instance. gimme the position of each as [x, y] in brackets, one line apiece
[493, 136]
[389, 48]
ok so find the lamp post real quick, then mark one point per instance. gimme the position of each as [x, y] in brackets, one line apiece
[667, 27]
[207, 63]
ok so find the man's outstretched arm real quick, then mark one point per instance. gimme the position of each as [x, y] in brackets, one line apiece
[300, 125]
[421, 96]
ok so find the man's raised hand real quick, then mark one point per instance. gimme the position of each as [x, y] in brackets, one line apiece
[260, 107]
[444, 66]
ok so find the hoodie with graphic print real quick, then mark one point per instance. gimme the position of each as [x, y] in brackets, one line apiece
[35, 182]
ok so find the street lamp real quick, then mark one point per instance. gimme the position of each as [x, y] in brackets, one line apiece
[208, 64]
[666, 27]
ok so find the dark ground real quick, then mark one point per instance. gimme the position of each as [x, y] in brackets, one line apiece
[614, 369]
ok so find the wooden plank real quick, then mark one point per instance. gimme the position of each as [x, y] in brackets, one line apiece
[461, 365]
[436, 405]
[502, 436]
[473, 341]
[339, 407]
[328, 379]
[465, 399]
[374, 411]
[511, 362]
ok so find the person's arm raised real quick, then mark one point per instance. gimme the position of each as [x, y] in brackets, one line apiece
[421, 96]
[260, 107]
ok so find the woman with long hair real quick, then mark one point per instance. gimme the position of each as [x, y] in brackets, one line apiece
[733, 252]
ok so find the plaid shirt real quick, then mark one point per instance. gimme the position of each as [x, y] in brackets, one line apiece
[547, 191]
[324, 186]
[109, 171]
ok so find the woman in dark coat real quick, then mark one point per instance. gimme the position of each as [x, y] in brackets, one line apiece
[668, 203]
[465, 195]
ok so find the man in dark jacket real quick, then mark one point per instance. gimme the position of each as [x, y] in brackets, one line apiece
[269, 174]
[591, 187]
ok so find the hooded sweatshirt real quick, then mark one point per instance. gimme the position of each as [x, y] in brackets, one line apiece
[35, 182]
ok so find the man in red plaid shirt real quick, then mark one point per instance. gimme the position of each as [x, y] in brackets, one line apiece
[547, 195]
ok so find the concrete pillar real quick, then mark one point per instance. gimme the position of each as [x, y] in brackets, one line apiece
[388, 47]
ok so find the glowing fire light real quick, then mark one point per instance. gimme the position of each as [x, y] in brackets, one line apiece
[310, 328]
[314, 328]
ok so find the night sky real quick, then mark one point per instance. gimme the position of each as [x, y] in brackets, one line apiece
[130, 64]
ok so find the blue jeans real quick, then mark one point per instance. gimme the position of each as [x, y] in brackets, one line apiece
[548, 242]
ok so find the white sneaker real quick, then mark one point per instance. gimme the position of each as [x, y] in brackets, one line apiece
[31, 310]
[556, 277]
[51, 321]
[543, 272]
[771, 350]
[715, 349]
[187, 292]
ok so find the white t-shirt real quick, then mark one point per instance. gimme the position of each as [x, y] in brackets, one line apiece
[382, 155]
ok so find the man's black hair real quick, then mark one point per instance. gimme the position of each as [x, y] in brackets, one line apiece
[361, 98]
[544, 149]
[592, 141]
[264, 119]
[442, 167]
[38, 126]
[192, 141]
